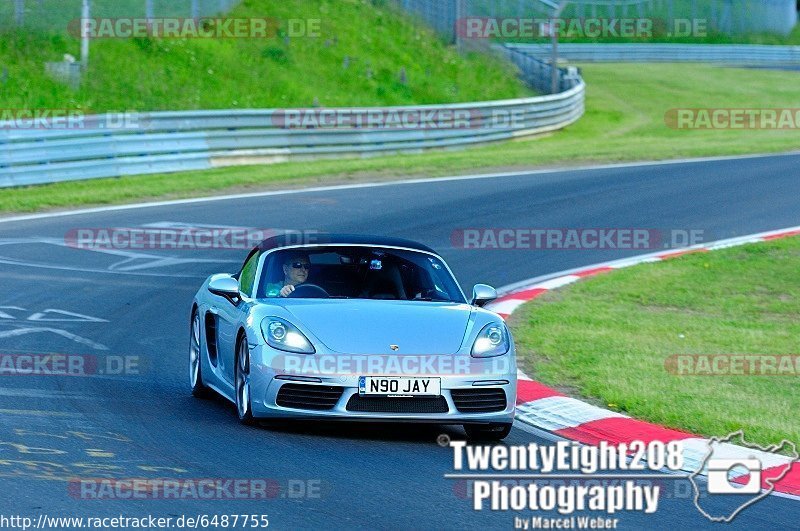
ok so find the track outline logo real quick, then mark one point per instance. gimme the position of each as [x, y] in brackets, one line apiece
[752, 463]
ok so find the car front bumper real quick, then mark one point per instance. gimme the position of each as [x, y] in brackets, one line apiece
[479, 378]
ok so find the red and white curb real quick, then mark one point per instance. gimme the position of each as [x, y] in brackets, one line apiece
[547, 409]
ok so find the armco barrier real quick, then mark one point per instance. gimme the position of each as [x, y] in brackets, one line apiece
[163, 142]
[734, 54]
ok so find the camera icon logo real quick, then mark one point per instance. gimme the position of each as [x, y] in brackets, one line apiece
[721, 473]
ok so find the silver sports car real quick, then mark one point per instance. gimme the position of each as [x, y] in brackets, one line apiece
[353, 328]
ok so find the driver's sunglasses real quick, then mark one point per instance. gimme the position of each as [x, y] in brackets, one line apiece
[298, 265]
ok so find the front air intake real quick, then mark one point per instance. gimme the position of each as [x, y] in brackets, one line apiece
[388, 404]
[301, 396]
[479, 400]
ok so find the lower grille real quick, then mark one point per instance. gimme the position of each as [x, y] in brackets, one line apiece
[479, 400]
[300, 396]
[386, 404]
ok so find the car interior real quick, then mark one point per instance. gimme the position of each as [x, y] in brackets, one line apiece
[365, 275]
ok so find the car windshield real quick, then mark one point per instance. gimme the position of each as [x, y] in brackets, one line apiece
[357, 273]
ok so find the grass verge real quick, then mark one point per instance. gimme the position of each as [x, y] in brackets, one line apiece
[624, 121]
[363, 53]
[610, 338]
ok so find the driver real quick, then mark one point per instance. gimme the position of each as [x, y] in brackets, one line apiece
[295, 271]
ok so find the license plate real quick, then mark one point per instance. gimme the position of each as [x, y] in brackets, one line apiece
[399, 385]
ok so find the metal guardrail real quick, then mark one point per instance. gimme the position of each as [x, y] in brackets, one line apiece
[735, 54]
[537, 72]
[162, 142]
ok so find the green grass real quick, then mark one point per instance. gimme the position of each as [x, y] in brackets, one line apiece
[624, 121]
[607, 339]
[357, 60]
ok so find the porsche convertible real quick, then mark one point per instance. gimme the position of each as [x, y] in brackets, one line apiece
[353, 327]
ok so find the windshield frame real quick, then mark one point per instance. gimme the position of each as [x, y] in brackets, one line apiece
[263, 260]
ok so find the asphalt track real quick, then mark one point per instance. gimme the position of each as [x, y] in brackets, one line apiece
[53, 428]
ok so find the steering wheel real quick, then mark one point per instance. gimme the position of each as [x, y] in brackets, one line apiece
[433, 294]
[309, 291]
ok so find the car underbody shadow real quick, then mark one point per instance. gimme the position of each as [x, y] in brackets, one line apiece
[364, 430]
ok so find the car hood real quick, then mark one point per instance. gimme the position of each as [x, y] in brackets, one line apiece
[370, 327]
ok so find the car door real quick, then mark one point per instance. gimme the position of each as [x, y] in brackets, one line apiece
[230, 316]
[227, 313]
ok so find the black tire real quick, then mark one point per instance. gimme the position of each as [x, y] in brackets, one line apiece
[242, 383]
[487, 432]
[199, 390]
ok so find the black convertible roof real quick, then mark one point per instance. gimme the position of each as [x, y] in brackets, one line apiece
[292, 238]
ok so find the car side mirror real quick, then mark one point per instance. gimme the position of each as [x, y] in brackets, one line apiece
[483, 294]
[225, 286]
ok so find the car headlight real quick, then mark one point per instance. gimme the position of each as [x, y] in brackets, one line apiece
[283, 335]
[492, 341]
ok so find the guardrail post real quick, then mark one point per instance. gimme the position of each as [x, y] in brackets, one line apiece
[713, 15]
[461, 13]
[85, 14]
[554, 73]
[19, 12]
[725, 20]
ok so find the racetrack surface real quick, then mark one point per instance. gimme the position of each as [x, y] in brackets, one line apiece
[53, 428]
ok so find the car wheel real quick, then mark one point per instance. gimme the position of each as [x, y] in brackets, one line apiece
[195, 365]
[242, 371]
[491, 432]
